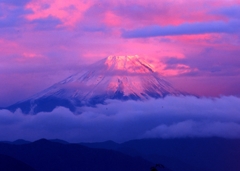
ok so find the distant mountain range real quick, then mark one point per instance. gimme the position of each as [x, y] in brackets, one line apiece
[180, 154]
[115, 77]
[45, 155]
[8, 163]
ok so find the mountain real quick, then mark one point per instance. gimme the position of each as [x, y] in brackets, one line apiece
[178, 154]
[182, 154]
[115, 77]
[11, 164]
[45, 155]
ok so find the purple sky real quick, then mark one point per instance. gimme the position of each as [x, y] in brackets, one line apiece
[195, 44]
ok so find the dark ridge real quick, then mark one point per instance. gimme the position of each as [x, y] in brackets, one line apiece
[44, 155]
[8, 163]
[6, 142]
[202, 154]
[183, 154]
[16, 142]
[48, 104]
[59, 141]
[153, 94]
[118, 95]
[146, 66]
[24, 106]
[42, 140]
[96, 100]
[106, 145]
[20, 142]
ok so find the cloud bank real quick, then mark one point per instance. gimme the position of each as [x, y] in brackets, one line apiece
[170, 117]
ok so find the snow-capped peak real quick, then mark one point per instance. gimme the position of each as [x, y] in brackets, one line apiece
[115, 77]
[131, 64]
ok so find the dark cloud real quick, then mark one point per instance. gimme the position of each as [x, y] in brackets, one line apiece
[13, 18]
[121, 121]
[15, 2]
[232, 26]
[141, 13]
[95, 28]
[48, 23]
[211, 60]
[231, 12]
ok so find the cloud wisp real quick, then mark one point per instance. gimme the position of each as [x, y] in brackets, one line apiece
[170, 117]
[184, 29]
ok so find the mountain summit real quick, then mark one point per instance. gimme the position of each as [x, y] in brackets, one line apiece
[115, 77]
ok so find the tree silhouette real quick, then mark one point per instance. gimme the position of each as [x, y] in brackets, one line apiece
[154, 168]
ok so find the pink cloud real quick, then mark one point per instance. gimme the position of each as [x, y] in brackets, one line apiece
[69, 12]
[12, 53]
[129, 14]
[141, 13]
[208, 86]
[6, 47]
[111, 19]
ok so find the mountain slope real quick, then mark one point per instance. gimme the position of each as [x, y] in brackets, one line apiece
[10, 164]
[44, 155]
[183, 154]
[115, 77]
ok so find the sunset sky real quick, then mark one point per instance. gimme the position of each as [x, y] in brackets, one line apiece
[195, 44]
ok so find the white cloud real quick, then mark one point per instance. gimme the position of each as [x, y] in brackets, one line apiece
[195, 129]
[121, 121]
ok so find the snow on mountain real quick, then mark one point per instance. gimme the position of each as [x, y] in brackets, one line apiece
[115, 77]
